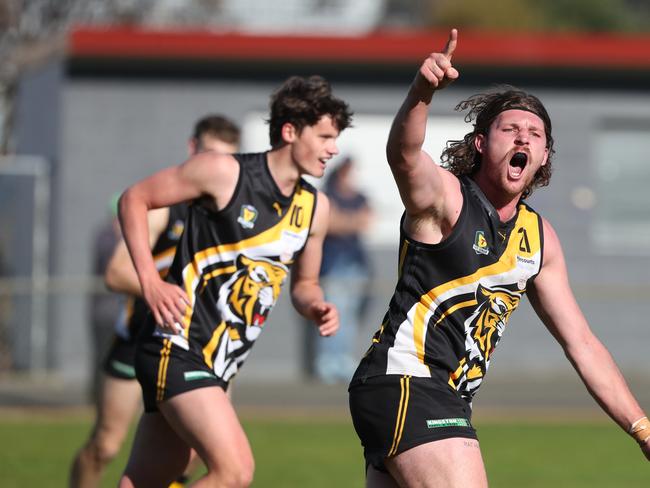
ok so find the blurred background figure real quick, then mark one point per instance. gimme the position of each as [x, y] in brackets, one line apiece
[345, 274]
[118, 397]
[104, 307]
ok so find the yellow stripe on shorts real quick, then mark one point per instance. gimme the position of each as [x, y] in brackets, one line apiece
[401, 413]
[162, 369]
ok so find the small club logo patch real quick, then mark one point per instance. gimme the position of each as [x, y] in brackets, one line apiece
[439, 423]
[247, 216]
[480, 243]
[197, 375]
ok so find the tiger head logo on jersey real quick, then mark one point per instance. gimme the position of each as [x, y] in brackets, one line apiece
[495, 305]
[251, 292]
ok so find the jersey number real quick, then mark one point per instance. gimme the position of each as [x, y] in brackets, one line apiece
[297, 216]
[524, 245]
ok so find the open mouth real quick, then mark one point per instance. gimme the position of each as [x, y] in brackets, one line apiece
[518, 163]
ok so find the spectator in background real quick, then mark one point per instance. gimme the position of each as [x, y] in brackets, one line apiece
[345, 274]
[105, 307]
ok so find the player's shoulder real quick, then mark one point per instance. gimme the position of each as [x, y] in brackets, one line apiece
[322, 210]
[321, 198]
[213, 163]
[549, 231]
[552, 244]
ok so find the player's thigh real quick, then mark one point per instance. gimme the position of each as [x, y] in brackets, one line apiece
[119, 402]
[158, 455]
[453, 463]
[205, 418]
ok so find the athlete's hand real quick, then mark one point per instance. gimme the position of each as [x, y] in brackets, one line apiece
[326, 318]
[167, 303]
[437, 72]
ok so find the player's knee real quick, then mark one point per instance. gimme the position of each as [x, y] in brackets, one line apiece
[236, 475]
[105, 450]
[246, 474]
[246, 471]
[241, 480]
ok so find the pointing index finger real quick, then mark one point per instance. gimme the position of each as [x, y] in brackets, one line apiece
[450, 47]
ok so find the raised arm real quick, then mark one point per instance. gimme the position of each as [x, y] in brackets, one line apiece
[207, 174]
[553, 300]
[120, 275]
[306, 293]
[420, 182]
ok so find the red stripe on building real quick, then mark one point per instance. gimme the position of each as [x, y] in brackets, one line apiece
[481, 49]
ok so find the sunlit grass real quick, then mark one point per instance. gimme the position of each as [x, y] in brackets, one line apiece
[323, 451]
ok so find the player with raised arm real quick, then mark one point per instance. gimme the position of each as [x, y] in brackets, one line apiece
[470, 248]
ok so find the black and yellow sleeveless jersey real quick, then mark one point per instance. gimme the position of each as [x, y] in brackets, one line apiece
[453, 299]
[232, 264]
[135, 310]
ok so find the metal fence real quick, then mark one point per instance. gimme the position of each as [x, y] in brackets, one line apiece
[24, 260]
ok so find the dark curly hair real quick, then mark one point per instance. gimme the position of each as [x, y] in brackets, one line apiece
[462, 158]
[302, 102]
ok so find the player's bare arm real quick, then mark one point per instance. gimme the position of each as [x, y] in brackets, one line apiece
[431, 195]
[306, 293]
[554, 302]
[209, 175]
[120, 275]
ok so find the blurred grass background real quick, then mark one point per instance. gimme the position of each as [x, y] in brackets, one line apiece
[315, 449]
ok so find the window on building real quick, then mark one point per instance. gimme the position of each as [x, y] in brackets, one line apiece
[622, 215]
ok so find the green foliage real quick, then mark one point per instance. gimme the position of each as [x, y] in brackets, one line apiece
[315, 452]
[531, 15]
[588, 15]
[504, 15]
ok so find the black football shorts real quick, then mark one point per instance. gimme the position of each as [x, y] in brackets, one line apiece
[165, 370]
[120, 358]
[394, 413]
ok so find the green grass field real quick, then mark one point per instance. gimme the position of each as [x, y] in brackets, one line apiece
[324, 452]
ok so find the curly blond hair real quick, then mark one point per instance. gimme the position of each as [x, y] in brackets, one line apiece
[462, 158]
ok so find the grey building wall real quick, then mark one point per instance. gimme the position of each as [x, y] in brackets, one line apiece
[115, 131]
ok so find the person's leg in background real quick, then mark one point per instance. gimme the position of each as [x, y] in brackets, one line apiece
[335, 357]
[119, 401]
